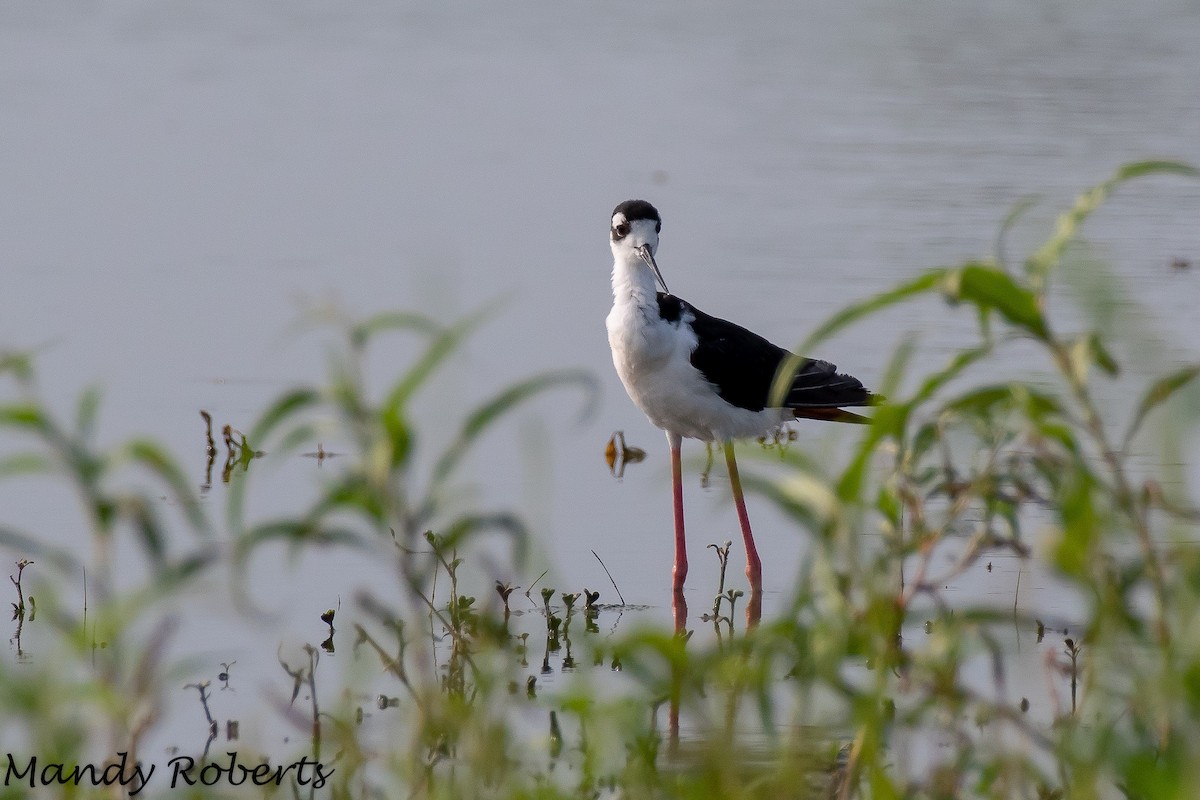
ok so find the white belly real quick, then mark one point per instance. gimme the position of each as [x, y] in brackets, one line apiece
[652, 358]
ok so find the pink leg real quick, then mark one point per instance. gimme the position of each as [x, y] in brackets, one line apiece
[753, 563]
[681, 564]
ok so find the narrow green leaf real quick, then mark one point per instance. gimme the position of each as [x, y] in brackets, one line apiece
[1047, 257]
[19, 364]
[86, 412]
[296, 531]
[898, 365]
[280, 411]
[956, 367]
[24, 464]
[990, 288]
[1010, 220]
[149, 530]
[1158, 392]
[434, 356]
[25, 415]
[400, 435]
[1104, 359]
[154, 458]
[1140, 169]
[922, 284]
[363, 332]
[40, 551]
[986, 401]
[506, 400]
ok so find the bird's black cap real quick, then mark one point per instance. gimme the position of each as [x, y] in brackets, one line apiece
[637, 209]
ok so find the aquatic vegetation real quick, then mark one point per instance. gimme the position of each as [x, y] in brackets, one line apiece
[874, 681]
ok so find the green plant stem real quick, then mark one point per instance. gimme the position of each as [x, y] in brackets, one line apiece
[1126, 497]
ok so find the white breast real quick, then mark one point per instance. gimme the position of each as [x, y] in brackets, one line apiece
[653, 360]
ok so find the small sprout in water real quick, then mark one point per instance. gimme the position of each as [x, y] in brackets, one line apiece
[989, 566]
[223, 675]
[1073, 650]
[1041, 630]
[327, 617]
[531, 686]
[590, 598]
[569, 599]
[504, 590]
[547, 593]
[19, 606]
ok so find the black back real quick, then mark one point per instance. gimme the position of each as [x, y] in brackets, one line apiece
[742, 365]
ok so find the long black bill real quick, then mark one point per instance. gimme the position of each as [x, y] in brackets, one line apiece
[648, 257]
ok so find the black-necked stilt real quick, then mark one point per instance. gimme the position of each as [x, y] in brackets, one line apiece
[700, 377]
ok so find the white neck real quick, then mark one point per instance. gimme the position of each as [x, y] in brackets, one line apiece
[633, 281]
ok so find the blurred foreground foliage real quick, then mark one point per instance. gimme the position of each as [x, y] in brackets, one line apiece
[840, 695]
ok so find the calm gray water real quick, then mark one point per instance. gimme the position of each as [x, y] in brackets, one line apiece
[182, 179]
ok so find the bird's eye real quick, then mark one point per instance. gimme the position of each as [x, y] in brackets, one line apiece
[620, 230]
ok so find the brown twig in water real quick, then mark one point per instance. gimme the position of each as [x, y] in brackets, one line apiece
[610, 577]
[19, 606]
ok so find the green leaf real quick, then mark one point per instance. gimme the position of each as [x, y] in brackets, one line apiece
[280, 411]
[1104, 359]
[24, 464]
[149, 530]
[25, 415]
[363, 332]
[39, 551]
[988, 401]
[442, 346]
[957, 365]
[86, 412]
[992, 289]
[19, 364]
[1047, 257]
[1081, 525]
[400, 435]
[1158, 392]
[1010, 220]
[923, 284]
[509, 398]
[151, 456]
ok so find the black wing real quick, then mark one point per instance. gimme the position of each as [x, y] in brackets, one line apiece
[742, 365]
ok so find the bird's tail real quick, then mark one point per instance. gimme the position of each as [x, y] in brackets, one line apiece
[831, 415]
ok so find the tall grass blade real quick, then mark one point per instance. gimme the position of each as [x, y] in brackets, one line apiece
[442, 346]
[1158, 393]
[363, 332]
[487, 413]
[992, 289]
[1039, 266]
[923, 284]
